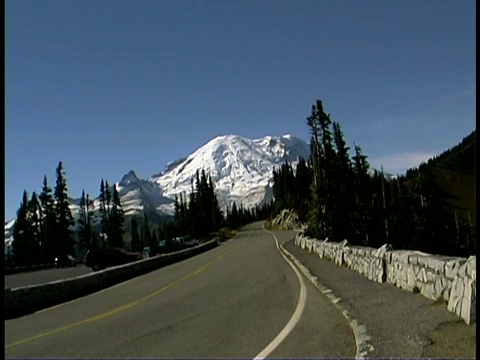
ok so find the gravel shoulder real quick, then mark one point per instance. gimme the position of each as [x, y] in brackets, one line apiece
[401, 324]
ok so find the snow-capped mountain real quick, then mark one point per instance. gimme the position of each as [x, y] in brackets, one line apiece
[137, 195]
[241, 169]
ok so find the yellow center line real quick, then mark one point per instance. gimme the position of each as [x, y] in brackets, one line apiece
[125, 307]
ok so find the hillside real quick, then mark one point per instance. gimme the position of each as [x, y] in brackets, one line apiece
[452, 174]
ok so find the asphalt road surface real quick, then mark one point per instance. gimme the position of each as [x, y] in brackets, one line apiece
[241, 299]
[44, 276]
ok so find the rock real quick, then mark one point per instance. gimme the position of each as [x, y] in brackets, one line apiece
[287, 220]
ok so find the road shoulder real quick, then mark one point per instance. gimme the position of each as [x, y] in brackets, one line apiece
[401, 324]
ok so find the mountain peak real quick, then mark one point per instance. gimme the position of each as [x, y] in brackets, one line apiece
[128, 178]
[241, 168]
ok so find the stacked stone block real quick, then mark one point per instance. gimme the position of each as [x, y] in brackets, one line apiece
[436, 277]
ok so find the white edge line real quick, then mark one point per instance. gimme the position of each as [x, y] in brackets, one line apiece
[302, 299]
[362, 339]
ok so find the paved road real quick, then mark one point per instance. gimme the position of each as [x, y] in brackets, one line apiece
[44, 276]
[232, 301]
[401, 324]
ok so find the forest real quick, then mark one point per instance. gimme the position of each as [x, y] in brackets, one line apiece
[338, 195]
[431, 208]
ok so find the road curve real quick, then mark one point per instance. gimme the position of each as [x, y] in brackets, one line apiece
[232, 301]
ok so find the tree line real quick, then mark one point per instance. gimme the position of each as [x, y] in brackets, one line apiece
[43, 225]
[340, 197]
[197, 215]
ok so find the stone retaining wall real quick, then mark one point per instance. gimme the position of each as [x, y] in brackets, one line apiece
[436, 277]
[24, 300]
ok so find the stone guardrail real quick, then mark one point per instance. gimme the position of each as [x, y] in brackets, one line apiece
[452, 279]
[26, 300]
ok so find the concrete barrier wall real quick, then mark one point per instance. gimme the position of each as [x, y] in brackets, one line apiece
[28, 299]
[436, 277]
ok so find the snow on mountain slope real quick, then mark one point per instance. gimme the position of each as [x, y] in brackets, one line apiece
[8, 234]
[241, 168]
[137, 195]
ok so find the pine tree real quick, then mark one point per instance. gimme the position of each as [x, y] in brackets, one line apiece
[63, 213]
[153, 240]
[48, 223]
[135, 242]
[21, 245]
[385, 205]
[191, 212]
[177, 208]
[85, 232]
[108, 208]
[323, 156]
[117, 221]
[104, 214]
[216, 212]
[91, 220]
[342, 189]
[146, 233]
[34, 221]
[303, 180]
[363, 197]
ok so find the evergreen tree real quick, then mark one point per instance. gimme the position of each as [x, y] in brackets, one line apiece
[362, 213]
[176, 207]
[21, 244]
[85, 215]
[216, 212]
[34, 221]
[323, 156]
[135, 242]
[303, 180]
[346, 200]
[104, 213]
[117, 221]
[63, 213]
[153, 240]
[234, 217]
[92, 217]
[48, 223]
[202, 214]
[191, 212]
[342, 189]
[146, 233]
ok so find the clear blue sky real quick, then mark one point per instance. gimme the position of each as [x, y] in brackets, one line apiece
[107, 86]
